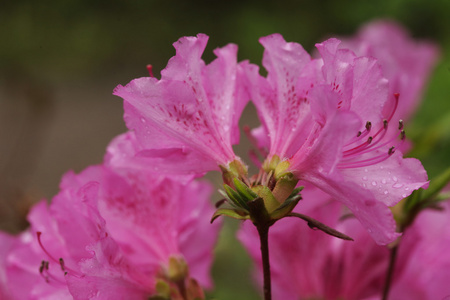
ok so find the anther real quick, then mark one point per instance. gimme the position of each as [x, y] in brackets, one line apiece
[402, 135]
[391, 150]
[359, 134]
[385, 123]
[400, 125]
[61, 262]
[369, 140]
[368, 125]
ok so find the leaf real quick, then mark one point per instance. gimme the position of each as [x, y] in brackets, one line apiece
[229, 212]
[243, 190]
[313, 223]
[285, 208]
[235, 197]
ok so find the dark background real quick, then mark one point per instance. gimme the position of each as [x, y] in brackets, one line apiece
[60, 60]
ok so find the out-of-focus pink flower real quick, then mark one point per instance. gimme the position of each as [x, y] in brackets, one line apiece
[308, 264]
[191, 113]
[109, 236]
[324, 119]
[405, 62]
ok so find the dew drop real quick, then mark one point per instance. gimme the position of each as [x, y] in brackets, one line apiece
[404, 195]
[397, 185]
[374, 183]
[364, 178]
[385, 192]
[395, 179]
[383, 181]
[143, 120]
[369, 230]
[406, 188]
[365, 170]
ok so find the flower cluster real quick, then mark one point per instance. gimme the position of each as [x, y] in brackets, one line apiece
[113, 235]
[332, 128]
[307, 264]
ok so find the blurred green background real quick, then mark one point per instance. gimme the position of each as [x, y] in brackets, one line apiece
[60, 60]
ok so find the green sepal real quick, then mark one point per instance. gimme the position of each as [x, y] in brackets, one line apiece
[235, 169]
[235, 196]
[281, 169]
[228, 198]
[285, 208]
[269, 199]
[230, 212]
[243, 190]
[284, 187]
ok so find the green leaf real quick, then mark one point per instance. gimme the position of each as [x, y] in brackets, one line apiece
[243, 190]
[235, 197]
[313, 223]
[229, 212]
[285, 208]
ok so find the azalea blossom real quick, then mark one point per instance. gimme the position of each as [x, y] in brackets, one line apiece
[190, 116]
[308, 264]
[323, 121]
[405, 62]
[112, 236]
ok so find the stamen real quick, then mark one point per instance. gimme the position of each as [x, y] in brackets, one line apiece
[59, 261]
[400, 124]
[368, 125]
[258, 150]
[43, 248]
[150, 70]
[365, 162]
[391, 150]
[385, 124]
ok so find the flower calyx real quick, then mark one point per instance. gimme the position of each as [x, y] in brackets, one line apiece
[259, 202]
[174, 283]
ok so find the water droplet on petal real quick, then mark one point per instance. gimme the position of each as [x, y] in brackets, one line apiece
[365, 170]
[364, 178]
[395, 179]
[406, 188]
[383, 181]
[374, 183]
[143, 120]
[404, 195]
[385, 192]
[397, 185]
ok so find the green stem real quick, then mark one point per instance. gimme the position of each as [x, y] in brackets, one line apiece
[263, 231]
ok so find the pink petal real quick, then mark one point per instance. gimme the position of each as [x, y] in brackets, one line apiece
[193, 106]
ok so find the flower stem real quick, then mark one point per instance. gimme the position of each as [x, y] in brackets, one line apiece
[390, 272]
[263, 230]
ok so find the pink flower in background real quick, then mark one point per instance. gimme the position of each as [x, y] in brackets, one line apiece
[190, 115]
[308, 264]
[115, 234]
[325, 118]
[405, 62]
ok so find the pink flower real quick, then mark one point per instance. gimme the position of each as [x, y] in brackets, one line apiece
[308, 264]
[325, 124]
[116, 235]
[405, 62]
[191, 113]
